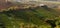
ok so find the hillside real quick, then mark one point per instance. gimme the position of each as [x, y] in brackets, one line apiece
[29, 17]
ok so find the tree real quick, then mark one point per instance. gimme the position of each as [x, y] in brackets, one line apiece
[52, 23]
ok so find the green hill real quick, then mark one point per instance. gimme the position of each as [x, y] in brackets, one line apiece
[36, 16]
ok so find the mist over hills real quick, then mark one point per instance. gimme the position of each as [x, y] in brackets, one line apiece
[37, 16]
[3, 3]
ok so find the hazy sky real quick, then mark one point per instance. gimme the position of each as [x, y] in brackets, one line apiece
[30, 0]
[16, 0]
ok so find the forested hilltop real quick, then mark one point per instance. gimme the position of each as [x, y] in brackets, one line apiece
[39, 17]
